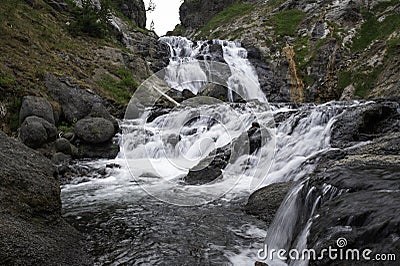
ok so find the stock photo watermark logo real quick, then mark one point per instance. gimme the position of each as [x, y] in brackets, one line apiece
[170, 136]
[337, 253]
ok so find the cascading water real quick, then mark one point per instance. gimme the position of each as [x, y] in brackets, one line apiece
[126, 225]
[183, 50]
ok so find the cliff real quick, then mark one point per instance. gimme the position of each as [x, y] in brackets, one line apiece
[328, 50]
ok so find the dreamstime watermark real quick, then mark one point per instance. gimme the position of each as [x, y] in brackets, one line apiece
[332, 253]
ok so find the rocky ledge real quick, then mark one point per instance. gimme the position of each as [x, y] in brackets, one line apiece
[32, 231]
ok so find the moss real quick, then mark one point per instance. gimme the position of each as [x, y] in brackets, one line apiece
[119, 89]
[286, 22]
[226, 16]
[301, 49]
[344, 79]
[6, 81]
[372, 30]
[393, 47]
[364, 82]
[382, 6]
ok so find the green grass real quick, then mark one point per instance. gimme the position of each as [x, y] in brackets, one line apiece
[121, 89]
[286, 22]
[382, 6]
[364, 82]
[226, 16]
[372, 30]
[301, 49]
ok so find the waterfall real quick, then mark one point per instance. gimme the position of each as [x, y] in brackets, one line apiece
[156, 154]
[185, 51]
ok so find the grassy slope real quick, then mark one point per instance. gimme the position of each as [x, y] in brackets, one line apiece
[35, 40]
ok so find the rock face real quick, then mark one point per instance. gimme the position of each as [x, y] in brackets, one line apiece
[365, 123]
[134, 10]
[194, 14]
[318, 48]
[366, 213]
[32, 231]
[35, 131]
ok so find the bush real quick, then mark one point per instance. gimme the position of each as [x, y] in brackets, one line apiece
[91, 20]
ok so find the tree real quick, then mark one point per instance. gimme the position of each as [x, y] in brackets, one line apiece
[92, 20]
[151, 7]
[152, 28]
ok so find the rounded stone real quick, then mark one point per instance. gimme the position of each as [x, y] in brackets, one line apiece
[94, 130]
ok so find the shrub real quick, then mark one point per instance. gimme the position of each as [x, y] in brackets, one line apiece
[91, 20]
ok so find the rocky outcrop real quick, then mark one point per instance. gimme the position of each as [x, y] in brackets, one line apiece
[32, 231]
[94, 130]
[134, 10]
[194, 14]
[364, 123]
[76, 103]
[365, 212]
[210, 168]
[331, 44]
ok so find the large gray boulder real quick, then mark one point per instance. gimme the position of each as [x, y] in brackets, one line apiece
[94, 130]
[266, 201]
[36, 106]
[32, 231]
[35, 132]
[98, 110]
[76, 103]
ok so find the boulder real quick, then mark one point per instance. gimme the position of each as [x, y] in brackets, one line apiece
[32, 231]
[210, 168]
[76, 103]
[36, 106]
[215, 91]
[36, 131]
[98, 110]
[94, 130]
[266, 201]
[63, 145]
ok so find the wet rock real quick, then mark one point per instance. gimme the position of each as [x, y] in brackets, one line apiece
[266, 201]
[63, 145]
[365, 123]
[106, 150]
[36, 131]
[210, 168]
[36, 106]
[76, 103]
[215, 91]
[214, 51]
[32, 231]
[94, 130]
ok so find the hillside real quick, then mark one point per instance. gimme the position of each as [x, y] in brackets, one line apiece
[41, 37]
[312, 51]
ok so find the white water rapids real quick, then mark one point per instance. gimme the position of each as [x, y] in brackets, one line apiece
[156, 155]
